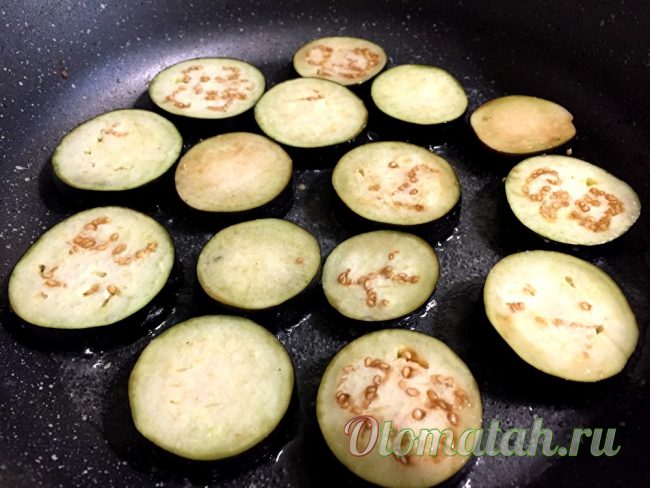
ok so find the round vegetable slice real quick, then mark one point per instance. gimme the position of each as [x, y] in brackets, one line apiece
[380, 275]
[118, 150]
[562, 315]
[233, 172]
[389, 381]
[207, 88]
[258, 264]
[310, 112]
[519, 124]
[92, 269]
[396, 183]
[571, 201]
[419, 94]
[211, 387]
[345, 60]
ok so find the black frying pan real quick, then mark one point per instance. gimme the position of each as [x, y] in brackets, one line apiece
[64, 418]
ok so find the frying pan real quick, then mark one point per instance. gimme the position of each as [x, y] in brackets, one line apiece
[64, 418]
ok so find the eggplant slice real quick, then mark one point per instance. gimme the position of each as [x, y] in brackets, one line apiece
[258, 264]
[233, 172]
[207, 88]
[380, 275]
[571, 201]
[412, 381]
[310, 112]
[345, 60]
[92, 269]
[419, 94]
[211, 387]
[520, 125]
[560, 314]
[396, 183]
[118, 150]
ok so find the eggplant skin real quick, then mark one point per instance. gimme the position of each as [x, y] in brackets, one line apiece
[211, 387]
[93, 269]
[560, 314]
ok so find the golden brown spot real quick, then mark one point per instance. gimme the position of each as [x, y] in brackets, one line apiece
[557, 322]
[93, 289]
[371, 392]
[112, 132]
[418, 414]
[529, 290]
[344, 278]
[453, 418]
[52, 283]
[112, 289]
[374, 187]
[539, 196]
[355, 63]
[412, 392]
[406, 371]
[592, 199]
[120, 248]
[541, 320]
[87, 243]
[123, 261]
[410, 355]
[559, 199]
[516, 306]
[585, 306]
[299, 260]
[311, 98]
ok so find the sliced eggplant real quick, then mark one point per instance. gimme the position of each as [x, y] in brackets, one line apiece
[118, 150]
[520, 125]
[419, 94]
[560, 314]
[233, 172]
[571, 201]
[396, 183]
[92, 269]
[310, 112]
[207, 88]
[258, 264]
[211, 387]
[389, 381]
[380, 275]
[345, 60]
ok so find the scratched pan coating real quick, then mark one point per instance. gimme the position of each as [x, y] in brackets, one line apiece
[64, 418]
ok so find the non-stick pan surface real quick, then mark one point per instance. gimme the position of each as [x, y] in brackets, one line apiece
[64, 418]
